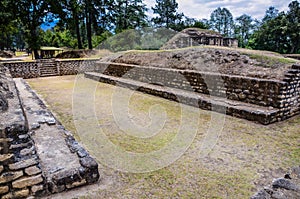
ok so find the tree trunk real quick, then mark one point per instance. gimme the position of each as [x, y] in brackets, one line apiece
[76, 22]
[89, 25]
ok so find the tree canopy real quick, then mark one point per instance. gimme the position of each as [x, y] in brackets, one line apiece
[86, 23]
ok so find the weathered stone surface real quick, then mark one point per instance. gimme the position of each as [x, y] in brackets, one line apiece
[26, 151]
[285, 184]
[1, 169]
[27, 181]
[23, 164]
[33, 170]
[261, 195]
[10, 176]
[66, 177]
[76, 184]
[37, 188]
[88, 162]
[3, 140]
[55, 189]
[4, 189]
[18, 194]
[5, 157]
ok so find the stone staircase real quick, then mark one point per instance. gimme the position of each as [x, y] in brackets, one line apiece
[48, 68]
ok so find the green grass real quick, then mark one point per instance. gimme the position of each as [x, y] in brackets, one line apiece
[244, 152]
[271, 60]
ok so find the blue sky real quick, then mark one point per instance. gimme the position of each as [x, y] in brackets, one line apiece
[200, 9]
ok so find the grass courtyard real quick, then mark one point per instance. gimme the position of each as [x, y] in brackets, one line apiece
[244, 155]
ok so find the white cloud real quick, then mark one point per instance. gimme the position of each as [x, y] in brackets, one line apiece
[203, 8]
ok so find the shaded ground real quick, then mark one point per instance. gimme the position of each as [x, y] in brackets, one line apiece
[225, 60]
[246, 157]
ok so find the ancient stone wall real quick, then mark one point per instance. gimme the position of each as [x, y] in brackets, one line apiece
[73, 67]
[22, 169]
[283, 96]
[20, 172]
[290, 93]
[250, 90]
[32, 69]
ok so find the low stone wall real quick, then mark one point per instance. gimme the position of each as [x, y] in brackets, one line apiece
[73, 67]
[283, 95]
[262, 92]
[23, 172]
[29, 70]
[20, 171]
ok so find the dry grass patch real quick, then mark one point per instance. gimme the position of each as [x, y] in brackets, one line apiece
[246, 155]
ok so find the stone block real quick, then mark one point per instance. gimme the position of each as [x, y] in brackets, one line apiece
[37, 188]
[1, 169]
[23, 164]
[27, 151]
[4, 189]
[18, 194]
[27, 182]
[10, 176]
[66, 177]
[76, 184]
[5, 157]
[33, 171]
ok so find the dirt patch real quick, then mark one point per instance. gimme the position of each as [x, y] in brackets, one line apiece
[212, 59]
[246, 157]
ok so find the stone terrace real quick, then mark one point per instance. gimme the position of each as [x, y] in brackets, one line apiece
[262, 100]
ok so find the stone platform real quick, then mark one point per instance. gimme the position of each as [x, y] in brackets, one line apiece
[64, 162]
[38, 156]
[239, 109]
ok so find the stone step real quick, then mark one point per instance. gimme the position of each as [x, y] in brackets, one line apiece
[264, 115]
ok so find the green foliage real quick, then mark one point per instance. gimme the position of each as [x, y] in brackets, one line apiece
[221, 20]
[242, 29]
[279, 32]
[167, 13]
[129, 15]
[142, 39]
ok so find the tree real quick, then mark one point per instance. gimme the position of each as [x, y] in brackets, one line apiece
[190, 23]
[271, 13]
[243, 29]
[32, 14]
[129, 14]
[293, 18]
[7, 24]
[221, 20]
[272, 35]
[167, 13]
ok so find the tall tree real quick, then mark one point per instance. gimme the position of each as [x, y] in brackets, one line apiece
[7, 24]
[293, 17]
[272, 35]
[167, 13]
[129, 14]
[243, 29]
[32, 14]
[221, 20]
